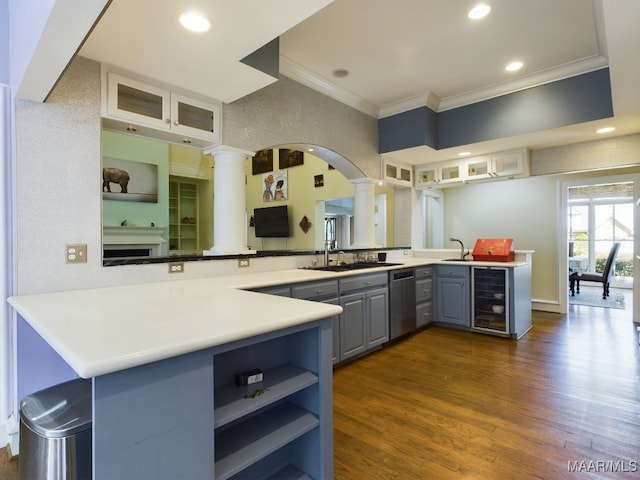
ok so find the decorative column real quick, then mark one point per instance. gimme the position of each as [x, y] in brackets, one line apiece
[229, 206]
[364, 235]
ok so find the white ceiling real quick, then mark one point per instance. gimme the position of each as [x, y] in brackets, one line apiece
[401, 54]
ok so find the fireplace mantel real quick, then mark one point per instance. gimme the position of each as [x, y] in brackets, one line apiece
[130, 238]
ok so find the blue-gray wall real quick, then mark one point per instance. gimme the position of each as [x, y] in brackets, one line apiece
[578, 99]
[4, 42]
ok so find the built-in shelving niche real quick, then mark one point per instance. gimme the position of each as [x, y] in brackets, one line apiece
[269, 434]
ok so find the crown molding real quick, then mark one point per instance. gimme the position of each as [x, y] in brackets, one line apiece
[306, 77]
[550, 75]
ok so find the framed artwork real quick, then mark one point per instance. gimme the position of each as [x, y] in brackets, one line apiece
[129, 181]
[275, 186]
[262, 162]
[318, 181]
[290, 158]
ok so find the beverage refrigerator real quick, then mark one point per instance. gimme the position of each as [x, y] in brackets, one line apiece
[490, 300]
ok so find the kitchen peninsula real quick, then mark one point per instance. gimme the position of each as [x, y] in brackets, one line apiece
[163, 358]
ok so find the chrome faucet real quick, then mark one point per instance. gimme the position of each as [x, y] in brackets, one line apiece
[328, 245]
[462, 254]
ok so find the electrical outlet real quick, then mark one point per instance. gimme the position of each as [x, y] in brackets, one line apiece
[176, 267]
[243, 262]
[76, 253]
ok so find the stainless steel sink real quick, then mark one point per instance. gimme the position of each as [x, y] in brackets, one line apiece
[346, 267]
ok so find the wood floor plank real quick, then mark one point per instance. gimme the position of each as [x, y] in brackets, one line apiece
[458, 405]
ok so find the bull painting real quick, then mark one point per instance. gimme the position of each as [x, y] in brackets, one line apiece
[115, 175]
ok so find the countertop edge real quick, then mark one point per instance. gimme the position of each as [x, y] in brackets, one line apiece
[62, 318]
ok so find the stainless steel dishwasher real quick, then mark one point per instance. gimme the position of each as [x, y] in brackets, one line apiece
[402, 303]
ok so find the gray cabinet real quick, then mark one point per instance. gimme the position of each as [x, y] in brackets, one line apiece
[279, 290]
[452, 296]
[279, 424]
[189, 409]
[378, 317]
[352, 326]
[424, 296]
[364, 322]
[325, 292]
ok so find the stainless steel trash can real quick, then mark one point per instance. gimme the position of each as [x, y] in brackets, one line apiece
[55, 433]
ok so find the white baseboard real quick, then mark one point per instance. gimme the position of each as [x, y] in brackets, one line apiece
[10, 435]
[545, 305]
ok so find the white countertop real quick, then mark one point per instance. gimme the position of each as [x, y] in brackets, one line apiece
[104, 330]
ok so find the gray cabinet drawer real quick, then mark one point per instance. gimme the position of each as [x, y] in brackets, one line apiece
[424, 272]
[316, 290]
[363, 281]
[424, 314]
[453, 271]
[281, 290]
[424, 290]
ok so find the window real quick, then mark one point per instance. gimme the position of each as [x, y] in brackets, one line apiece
[598, 216]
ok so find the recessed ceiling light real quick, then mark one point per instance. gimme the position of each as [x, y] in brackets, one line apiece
[340, 73]
[464, 154]
[481, 10]
[194, 21]
[605, 130]
[514, 66]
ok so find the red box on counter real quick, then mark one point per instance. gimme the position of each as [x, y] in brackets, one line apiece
[494, 250]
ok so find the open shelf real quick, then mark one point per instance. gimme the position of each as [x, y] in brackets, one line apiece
[278, 383]
[289, 473]
[243, 444]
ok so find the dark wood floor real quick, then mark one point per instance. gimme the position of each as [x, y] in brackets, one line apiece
[446, 404]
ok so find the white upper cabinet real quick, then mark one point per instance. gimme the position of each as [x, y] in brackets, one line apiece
[501, 165]
[397, 172]
[478, 167]
[510, 164]
[171, 115]
[440, 174]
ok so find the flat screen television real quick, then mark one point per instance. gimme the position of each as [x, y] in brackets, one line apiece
[271, 221]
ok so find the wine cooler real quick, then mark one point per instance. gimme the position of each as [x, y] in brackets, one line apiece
[490, 300]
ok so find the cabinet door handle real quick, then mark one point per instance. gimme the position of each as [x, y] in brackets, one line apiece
[319, 290]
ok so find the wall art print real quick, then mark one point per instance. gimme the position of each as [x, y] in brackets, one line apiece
[129, 181]
[262, 162]
[275, 186]
[290, 158]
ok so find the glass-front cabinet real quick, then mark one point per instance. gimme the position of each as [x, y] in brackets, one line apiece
[490, 300]
[499, 165]
[503, 164]
[439, 174]
[190, 120]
